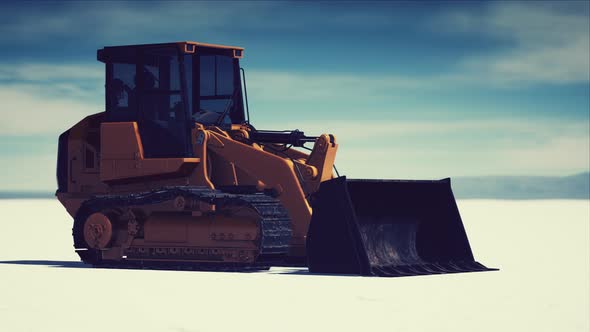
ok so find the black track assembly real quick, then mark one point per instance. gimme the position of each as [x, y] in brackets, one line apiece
[274, 223]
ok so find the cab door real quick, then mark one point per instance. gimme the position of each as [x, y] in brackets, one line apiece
[164, 124]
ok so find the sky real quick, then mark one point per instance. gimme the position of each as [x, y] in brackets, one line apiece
[411, 90]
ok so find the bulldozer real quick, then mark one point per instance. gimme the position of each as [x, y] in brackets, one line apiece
[173, 175]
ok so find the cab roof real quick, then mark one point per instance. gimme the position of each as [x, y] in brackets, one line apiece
[187, 47]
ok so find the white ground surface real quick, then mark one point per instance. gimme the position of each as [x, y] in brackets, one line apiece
[542, 248]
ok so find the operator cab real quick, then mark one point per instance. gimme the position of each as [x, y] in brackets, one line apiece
[166, 88]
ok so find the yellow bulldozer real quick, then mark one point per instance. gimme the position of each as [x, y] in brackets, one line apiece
[173, 175]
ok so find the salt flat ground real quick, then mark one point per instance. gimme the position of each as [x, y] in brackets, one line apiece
[542, 248]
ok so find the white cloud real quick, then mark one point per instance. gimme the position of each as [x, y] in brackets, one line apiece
[398, 159]
[417, 149]
[33, 172]
[567, 154]
[289, 86]
[27, 110]
[539, 43]
[120, 21]
[542, 43]
[370, 129]
[51, 72]
[81, 82]
[110, 21]
[41, 99]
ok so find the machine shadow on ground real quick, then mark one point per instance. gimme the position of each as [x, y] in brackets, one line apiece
[81, 265]
[49, 263]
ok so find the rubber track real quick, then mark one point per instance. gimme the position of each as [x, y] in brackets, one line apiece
[275, 223]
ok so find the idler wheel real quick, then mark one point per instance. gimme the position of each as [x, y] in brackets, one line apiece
[98, 231]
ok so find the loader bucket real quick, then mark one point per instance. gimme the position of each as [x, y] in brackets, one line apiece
[387, 228]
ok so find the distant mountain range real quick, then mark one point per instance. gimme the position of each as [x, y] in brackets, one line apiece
[523, 187]
[25, 194]
[492, 187]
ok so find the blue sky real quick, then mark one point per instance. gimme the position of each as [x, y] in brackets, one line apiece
[411, 90]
